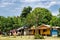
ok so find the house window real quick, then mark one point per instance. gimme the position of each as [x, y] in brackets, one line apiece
[44, 30]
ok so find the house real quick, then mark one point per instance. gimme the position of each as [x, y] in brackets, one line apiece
[23, 30]
[55, 31]
[44, 29]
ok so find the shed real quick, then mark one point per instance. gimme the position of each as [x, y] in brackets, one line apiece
[55, 31]
[23, 30]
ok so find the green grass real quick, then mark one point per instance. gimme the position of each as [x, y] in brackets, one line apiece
[17, 38]
[27, 38]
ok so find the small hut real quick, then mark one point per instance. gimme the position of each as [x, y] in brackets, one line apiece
[23, 30]
[44, 29]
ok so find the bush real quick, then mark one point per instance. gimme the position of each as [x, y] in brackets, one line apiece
[37, 36]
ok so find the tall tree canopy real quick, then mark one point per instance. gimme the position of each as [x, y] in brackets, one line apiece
[39, 16]
[26, 11]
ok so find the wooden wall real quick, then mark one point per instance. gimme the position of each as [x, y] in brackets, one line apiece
[46, 32]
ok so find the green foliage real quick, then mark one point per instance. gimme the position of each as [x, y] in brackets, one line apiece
[9, 23]
[29, 17]
[55, 21]
[39, 16]
[26, 11]
[37, 36]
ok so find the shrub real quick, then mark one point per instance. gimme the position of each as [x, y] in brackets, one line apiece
[37, 36]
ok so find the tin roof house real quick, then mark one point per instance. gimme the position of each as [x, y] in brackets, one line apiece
[44, 29]
[23, 30]
[55, 31]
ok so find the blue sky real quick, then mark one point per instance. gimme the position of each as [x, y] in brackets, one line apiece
[14, 7]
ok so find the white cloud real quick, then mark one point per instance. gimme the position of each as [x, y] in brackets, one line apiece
[4, 4]
[33, 0]
[36, 0]
[47, 4]
[9, 0]
[55, 13]
[51, 4]
[16, 10]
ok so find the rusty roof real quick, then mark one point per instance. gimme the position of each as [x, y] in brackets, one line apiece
[43, 26]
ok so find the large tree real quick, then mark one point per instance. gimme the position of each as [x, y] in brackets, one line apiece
[39, 16]
[25, 12]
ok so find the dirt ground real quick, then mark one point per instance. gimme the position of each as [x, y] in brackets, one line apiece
[52, 38]
[27, 38]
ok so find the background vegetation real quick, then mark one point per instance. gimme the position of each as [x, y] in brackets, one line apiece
[29, 17]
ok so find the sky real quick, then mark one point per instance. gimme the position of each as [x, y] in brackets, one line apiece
[15, 7]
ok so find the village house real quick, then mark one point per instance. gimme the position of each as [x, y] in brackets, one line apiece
[44, 30]
[23, 30]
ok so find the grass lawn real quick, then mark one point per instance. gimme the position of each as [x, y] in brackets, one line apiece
[27, 38]
[17, 38]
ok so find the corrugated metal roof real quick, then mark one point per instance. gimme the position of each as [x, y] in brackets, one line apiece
[43, 26]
